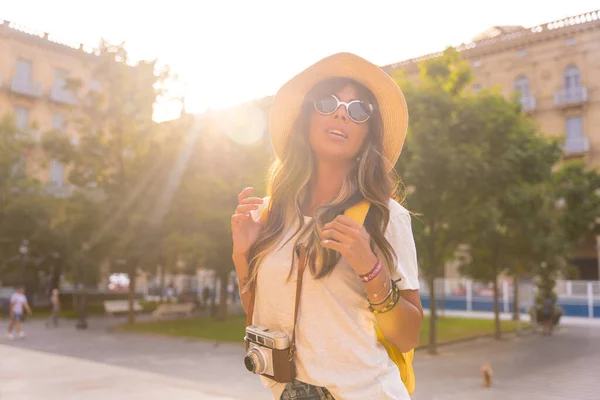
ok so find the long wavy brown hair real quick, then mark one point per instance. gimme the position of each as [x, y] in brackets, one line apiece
[289, 186]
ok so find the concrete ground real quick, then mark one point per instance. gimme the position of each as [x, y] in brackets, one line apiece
[65, 363]
[30, 375]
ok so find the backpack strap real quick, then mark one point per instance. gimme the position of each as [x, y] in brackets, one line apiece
[359, 211]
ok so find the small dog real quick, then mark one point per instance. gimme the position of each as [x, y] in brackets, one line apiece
[486, 370]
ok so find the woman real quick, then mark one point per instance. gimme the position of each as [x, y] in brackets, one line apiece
[337, 129]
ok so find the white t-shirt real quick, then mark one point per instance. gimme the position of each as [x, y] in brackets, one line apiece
[18, 300]
[336, 341]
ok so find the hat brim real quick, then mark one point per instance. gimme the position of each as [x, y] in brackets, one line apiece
[392, 104]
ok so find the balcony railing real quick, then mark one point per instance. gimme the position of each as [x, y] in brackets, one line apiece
[60, 95]
[574, 146]
[26, 88]
[62, 190]
[528, 103]
[571, 96]
[29, 135]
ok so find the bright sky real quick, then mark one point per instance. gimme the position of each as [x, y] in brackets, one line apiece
[229, 51]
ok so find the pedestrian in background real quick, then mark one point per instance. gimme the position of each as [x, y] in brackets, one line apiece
[18, 302]
[55, 306]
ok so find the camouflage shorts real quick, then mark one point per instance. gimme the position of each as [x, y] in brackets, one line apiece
[297, 390]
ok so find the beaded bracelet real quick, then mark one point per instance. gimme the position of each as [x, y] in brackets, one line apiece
[390, 305]
[387, 296]
[378, 294]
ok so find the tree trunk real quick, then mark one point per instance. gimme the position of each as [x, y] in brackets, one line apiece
[55, 279]
[433, 316]
[497, 334]
[222, 313]
[131, 313]
[162, 280]
[516, 306]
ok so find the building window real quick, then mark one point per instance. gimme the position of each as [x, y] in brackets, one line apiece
[19, 168]
[477, 63]
[21, 117]
[571, 42]
[58, 122]
[521, 53]
[572, 78]
[57, 171]
[95, 85]
[23, 74]
[574, 128]
[522, 86]
[576, 142]
[60, 78]
[477, 88]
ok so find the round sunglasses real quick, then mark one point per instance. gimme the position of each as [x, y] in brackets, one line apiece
[357, 110]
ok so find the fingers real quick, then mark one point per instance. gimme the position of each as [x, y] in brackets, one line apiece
[347, 221]
[339, 226]
[334, 235]
[252, 200]
[245, 208]
[238, 218]
[333, 245]
[247, 203]
[245, 193]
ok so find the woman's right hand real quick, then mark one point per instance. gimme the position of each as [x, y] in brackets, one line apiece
[244, 228]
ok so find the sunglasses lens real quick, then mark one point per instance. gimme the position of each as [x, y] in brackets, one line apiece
[359, 111]
[326, 105]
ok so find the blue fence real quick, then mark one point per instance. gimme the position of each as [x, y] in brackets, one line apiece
[571, 307]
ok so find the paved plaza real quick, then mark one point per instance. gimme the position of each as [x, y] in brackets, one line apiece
[65, 363]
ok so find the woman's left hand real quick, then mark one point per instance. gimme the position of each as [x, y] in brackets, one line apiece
[352, 241]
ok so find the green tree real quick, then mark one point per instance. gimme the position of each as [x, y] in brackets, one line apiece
[117, 154]
[26, 210]
[573, 202]
[516, 155]
[577, 189]
[222, 161]
[439, 161]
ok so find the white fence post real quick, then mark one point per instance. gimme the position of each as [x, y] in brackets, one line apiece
[505, 296]
[469, 295]
[570, 288]
[590, 299]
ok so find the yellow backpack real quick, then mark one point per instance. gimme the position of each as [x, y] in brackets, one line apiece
[403, 361]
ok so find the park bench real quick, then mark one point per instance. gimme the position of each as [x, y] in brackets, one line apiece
[120, 306]
[173, 309]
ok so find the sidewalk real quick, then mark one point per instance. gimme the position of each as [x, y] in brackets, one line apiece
[97, 364]
[27, 374]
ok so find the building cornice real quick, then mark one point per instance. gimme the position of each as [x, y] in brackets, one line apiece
[562, 28]
[15, 31]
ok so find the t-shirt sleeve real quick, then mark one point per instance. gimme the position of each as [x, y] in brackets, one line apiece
[399, 234]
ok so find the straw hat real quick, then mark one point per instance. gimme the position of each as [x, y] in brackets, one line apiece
[392, 105]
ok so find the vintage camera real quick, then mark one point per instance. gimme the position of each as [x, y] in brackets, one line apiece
[268, 354]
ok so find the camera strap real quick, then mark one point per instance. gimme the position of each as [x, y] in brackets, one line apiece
[301, 252]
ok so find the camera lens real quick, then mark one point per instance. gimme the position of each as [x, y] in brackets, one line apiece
[249, 363]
